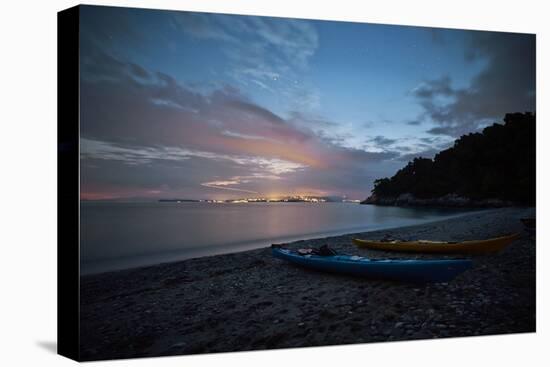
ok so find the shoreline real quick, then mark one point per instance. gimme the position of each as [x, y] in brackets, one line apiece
[143, 261]
[445, 201]
[251, 301]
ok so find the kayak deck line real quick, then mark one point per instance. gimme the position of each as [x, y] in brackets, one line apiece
[490, 245]
[355, 258]
[410, 270]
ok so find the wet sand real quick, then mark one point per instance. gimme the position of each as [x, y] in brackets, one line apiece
[251, 301]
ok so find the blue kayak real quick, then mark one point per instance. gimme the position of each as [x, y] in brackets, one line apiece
[403, 270]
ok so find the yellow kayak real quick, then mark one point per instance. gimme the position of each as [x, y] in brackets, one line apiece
[465, 247]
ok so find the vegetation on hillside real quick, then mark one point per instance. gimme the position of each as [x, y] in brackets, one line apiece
[498, 163]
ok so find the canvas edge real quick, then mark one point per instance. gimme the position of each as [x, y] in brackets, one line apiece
[68, 183]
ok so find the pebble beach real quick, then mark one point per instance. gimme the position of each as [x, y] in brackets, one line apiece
[252, 301]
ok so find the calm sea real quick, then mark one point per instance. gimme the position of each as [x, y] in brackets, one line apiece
[124, 235]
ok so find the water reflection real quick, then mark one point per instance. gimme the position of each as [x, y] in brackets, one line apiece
[119, 235]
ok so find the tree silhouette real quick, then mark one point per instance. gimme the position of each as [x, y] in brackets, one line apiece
[498, 163]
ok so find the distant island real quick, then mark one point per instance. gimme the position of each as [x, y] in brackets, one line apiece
[489, 169]
[179, 201]
[286, 199]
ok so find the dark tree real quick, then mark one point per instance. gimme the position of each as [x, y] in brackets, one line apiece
[498, 163]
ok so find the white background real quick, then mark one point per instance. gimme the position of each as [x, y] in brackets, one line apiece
[28, 183]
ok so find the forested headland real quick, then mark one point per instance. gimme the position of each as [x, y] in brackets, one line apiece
[494, 167]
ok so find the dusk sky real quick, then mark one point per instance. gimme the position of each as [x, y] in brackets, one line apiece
[196, 105]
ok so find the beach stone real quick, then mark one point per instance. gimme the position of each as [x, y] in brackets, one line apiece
[485, 299]
[396, 333]
[421, 335]
[178, 345]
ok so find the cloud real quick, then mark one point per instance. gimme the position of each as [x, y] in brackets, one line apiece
[430, 140]
[271, 53]
[407, 148]
[203, 25]
[506, 84]
[144, 155]
[147, 134]
[222, 185]
[435, 88]
[382, 141]
[294, 40]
